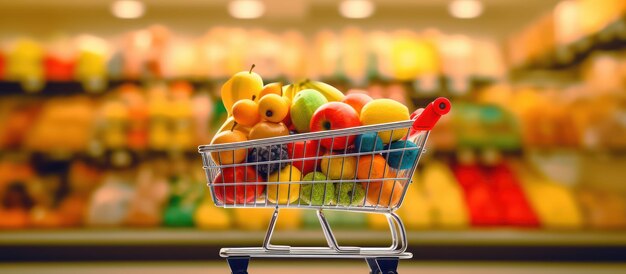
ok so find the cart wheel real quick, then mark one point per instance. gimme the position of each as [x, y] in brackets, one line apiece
[387, 265]
[238, 265]
[371, 262]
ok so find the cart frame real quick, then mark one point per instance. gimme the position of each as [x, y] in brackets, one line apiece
[379, 259]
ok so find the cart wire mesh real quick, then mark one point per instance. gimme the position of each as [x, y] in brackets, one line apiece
[365, 168]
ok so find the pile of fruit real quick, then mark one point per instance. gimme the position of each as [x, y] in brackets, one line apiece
[258, 111]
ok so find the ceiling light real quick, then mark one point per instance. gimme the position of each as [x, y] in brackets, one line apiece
[128, 9]
[246, 9]
[465, 8]
[356, 9]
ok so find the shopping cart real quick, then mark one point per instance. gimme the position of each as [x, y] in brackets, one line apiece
[368, 191]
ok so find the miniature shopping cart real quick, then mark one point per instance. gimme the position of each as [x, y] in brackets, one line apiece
[368, 191]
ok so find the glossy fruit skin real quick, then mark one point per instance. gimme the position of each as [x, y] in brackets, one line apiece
[303, 105]
[246, 112]
[229, 123]
[357, 100]
[267, 130]
[226, 157]
[331, 93]
[332, 167]
[371, 167]
[284, 193]
[243, 85]
[272, 88]
[335, 115]
[381, 111]
[237, 194]
[299, 150]
[273, 108]
[389, 191]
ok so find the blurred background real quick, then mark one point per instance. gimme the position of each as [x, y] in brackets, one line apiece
[103, 104]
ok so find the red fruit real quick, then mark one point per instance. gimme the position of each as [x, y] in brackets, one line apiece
[331, 116]
[287, 120]
[357, 100]
[517, 209]
[299, 150]
[237, 194]
[58, 69]
[481, 198]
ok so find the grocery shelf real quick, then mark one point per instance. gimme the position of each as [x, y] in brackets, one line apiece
[55, 88]
[566, 57]
[192, 244]
[236, 237]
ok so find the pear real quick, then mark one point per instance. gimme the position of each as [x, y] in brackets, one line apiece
[242, 85]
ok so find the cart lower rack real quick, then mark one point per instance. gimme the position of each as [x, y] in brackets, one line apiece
[365, 169]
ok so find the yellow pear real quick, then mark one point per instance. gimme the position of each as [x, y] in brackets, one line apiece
[243, 85]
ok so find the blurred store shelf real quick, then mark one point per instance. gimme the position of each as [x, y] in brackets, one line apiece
[189, 244]
[568, 56]
[199, 237]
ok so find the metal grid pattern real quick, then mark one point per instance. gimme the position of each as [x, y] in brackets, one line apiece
[260, 183]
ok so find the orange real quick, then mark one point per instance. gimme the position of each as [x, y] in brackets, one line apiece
[385, 193]
[267, 130]
[226, 157]
[272, 88]
[246, 112]
[376, 164]
[357, 100]
[273, 108]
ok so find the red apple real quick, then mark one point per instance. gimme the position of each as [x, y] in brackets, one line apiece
[331, 116]
[299, 150]
[237, 194]
[357, 100]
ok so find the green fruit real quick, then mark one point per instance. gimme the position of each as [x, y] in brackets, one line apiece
[350, 194]
[303, 106]
[318, 193]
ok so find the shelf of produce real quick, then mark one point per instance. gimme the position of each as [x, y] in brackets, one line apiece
[189, 244]
[569, 56]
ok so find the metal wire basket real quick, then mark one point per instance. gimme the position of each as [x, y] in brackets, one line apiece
[363, 169]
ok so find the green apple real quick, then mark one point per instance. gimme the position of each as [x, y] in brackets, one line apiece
[316, 194]
[303, 106]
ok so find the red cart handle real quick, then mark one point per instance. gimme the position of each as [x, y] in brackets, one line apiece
[425, 119]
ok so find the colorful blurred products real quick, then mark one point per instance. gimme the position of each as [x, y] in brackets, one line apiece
[55, 147]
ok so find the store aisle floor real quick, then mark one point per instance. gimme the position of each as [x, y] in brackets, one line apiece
[259, 267]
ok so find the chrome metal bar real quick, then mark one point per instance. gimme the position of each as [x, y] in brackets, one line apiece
[268, 235]
[330, 237]
[306, 136]
[309, 252]
[393, 229]
[400, 226]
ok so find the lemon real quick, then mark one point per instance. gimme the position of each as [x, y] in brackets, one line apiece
[339, 167]
[284, 193]
[382, 111]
